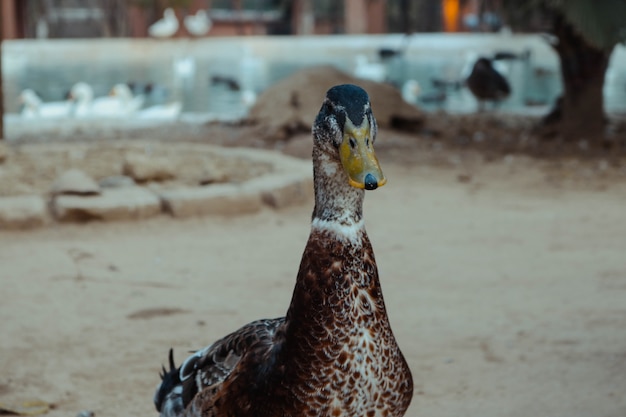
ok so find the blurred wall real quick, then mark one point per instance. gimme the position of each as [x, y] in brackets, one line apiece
[8, 8]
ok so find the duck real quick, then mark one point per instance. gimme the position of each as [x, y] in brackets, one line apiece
[229, 82]
[369, 70]
[388, 53]
[486, 83]
[152, 92]
[334, 352]
[87, 106]
[35, 107]
[130, 103]
[165, 27]
[410, 91]
[198, 24]
[248, 98]
[184, 68]
[119, 103]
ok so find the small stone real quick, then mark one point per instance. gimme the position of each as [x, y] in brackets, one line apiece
[117, 181]
[128, 203]
[279, 191]
[86, 413]
[22, 212]
[221, 199]
[213, 176]
[143, 168]
[75, 182]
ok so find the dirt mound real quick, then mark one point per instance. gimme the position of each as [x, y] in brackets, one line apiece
[290, 106]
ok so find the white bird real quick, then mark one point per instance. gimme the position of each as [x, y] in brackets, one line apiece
[410, 91]
[199, 24]
[35, 107]
[184, 67]
[248, 98]
[367, 70]
[169, 111]
[88, 106]
[130, 103]
[165, 27]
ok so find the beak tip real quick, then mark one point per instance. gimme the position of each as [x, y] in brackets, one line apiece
[370, 182]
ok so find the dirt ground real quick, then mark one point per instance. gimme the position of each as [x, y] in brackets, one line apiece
[504, 277]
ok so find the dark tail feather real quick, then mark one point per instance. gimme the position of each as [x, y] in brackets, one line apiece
[165, 373]
[169, 379]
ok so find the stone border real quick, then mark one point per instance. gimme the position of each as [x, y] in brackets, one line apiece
[289, 182]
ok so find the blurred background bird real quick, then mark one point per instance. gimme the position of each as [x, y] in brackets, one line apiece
[487, 84]
[198, 24]
[165, 27]
[34, 107]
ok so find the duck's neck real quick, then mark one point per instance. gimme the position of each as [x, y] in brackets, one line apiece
[337, 285]
[336, 201]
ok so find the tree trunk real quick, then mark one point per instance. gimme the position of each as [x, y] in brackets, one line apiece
[582, 68]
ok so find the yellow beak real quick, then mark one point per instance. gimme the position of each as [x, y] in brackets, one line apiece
[359, 160]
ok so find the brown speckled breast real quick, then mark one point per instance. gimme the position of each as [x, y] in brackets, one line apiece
[333, 355]
[345, 359]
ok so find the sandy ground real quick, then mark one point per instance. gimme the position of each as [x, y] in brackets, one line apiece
[505, 284]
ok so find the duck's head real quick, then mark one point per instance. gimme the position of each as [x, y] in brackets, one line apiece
[345, 130]
[29, 98]
[169, 14]
[122, 91]
[483, 64]
[81, 92]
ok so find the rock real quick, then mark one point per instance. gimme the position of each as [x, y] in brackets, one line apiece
[143, 168]
[280, 191]
[299, 146]
[22, 212]
[223, 199]
[213, 175]
[129, 203]
[117, 181]
[75, 182]
[288, 181]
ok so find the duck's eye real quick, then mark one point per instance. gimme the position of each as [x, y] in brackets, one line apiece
[367, 142]
[352, 143]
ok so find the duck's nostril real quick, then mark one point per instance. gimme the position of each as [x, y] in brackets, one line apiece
[370, 182]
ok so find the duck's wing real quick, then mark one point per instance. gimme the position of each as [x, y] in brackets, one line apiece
[210, 367]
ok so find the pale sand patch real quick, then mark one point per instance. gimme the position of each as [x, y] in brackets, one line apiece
[506, 293]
